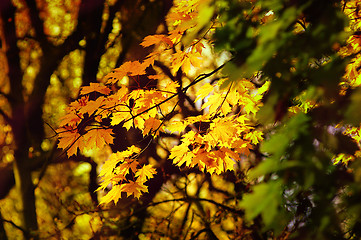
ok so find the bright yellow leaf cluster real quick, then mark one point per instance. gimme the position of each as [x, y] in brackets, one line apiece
[123, 172]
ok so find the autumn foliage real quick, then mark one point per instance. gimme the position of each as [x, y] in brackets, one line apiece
[215, 128]
[232, 120]
[213, 141]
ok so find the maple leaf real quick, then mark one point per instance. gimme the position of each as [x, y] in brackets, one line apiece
[249, 105]
[149, 60]
[113, 195]
[92, 106]
[178, 152]
[208, 161]
[146, 101]
[70, 140]
[156, 39]
[126, 165]
[178, 60]
[109, 165]
[95, 87]
[229, 158]
[71, 119]
[242, 147]
[204, 91]
[151, 124]
[216, 101]
[187, 158]
[76, 105]
[116, 159]
[134, 188]
[98, 137]
[242, 119]
[169, 85]
[145, 173]
[104, 184]
[199, 118]
[137, 122]
[222, 131]
[176, 126]
[130, 68]
[255, 136]
[199, 47]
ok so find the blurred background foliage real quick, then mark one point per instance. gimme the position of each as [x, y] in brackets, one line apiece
[302, 182]
[307, 180]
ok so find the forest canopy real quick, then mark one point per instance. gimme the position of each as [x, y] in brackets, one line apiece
[199, 119]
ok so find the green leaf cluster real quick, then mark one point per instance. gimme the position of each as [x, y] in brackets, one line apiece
[295, 50]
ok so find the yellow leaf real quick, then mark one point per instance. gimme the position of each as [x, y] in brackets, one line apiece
[178, 152]
[204, 91]
[215, 102]
[145, 173]
[71, 119]
[126, 69]
[255, 136]
[126, 165]
[176, 126]
[222, 132]
[116, 159]
[113, 195]
[123, 113]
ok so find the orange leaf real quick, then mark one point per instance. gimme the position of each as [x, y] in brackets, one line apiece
[70, 140]
[134, 188]
[94, 87]
[128, 164]
[151, 124]
[156, 39]
[71, 119]
[98, 137]
[126, 69]
[92, 106]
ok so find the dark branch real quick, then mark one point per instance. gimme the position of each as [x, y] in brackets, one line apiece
[195, 199]
[6, 117]
[26, 233]
[37, 22]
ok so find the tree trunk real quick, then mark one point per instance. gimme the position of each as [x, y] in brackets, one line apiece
[17, 121]
[25, 187]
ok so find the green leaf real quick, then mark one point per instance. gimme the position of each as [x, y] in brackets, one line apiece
[272, 165]
[265, 200]
[291, 129]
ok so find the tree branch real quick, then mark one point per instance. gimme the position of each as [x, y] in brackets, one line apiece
[6, 117]
[7, 96]
[195, 199]
[37, 22]
[26, 233]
